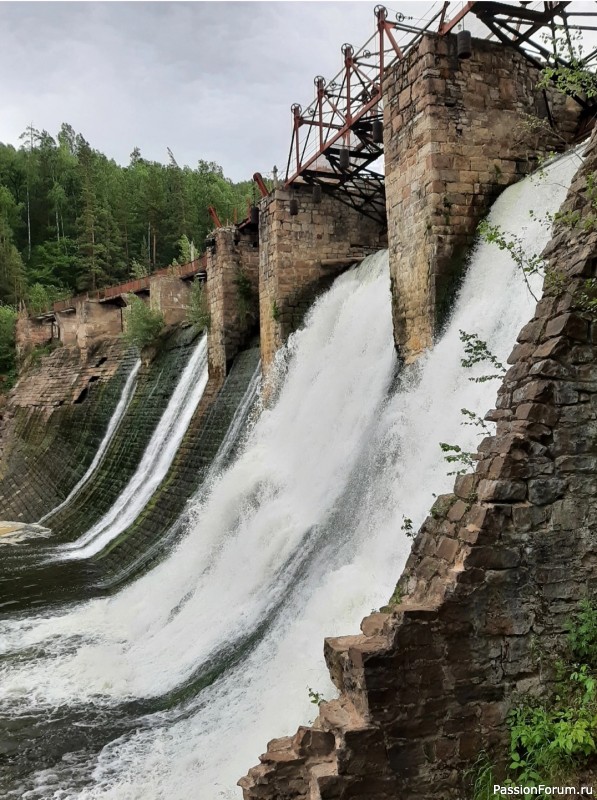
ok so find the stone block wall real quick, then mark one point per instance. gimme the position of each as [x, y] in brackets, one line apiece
[300, 255]
[33, 332]
[232, 295]
[169, 295]
[455, 134]
[495, 574]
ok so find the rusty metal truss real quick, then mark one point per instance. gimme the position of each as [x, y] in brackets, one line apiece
[337, 139]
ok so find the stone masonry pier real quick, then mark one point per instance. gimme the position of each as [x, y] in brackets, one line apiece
[300, 255]
[232, 295]
[456, 132]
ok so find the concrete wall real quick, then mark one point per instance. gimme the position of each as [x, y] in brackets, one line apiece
[67, 323]
[169, 295]
[97, 321]
[300, 255]
[232, 294]
[455, 134]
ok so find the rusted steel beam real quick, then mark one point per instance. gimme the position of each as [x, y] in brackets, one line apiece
[214, 215]
[339, 135]
[446, 27]
[260, 184]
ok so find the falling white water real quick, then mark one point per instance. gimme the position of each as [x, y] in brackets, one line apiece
[125, 398]
[154, 465]
[304, 529]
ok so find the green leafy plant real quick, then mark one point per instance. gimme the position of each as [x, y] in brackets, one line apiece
[407, 527]
[245, 295]
[582, 638]
[275, 311]
[476, 351]
[481, 778]
[198, 314]
[552, 738]
[8, 356]
[315, 697]
[454, 454]
[529, 264]
[144, 324]
[40, 298]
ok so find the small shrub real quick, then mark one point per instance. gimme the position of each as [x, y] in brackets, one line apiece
[40, 297]
[582, 638]
[138, 270]
[454, 454]
[553, 738]
[144, 324]
[476, 351]
[8, 355]
[198, 313]
[245, 295]
[315, 697]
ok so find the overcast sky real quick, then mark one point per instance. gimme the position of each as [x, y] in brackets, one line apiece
[211, 80]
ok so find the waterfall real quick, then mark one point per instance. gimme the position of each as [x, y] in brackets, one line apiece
[123, 403]
[298, 539]
[154, 465]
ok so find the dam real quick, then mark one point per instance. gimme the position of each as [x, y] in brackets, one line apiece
[243, 542]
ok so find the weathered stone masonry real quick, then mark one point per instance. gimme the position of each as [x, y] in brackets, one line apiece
[300, 255]
[495, 573]
[233, 295]
[454, 136]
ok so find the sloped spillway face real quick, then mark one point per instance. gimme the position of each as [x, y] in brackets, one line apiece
[156, 382]
[50, 439]
[219, 419]
[155, 463]
[115, 420]
[299, 539]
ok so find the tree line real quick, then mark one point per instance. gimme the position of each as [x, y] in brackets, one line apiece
[73, 220]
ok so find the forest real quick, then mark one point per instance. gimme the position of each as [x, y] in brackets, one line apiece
[73, 220]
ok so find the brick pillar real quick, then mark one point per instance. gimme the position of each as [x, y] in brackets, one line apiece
[232, 295]
[300, 255]
[455, 134]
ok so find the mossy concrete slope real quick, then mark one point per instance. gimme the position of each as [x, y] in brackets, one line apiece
[156, 382]
[28, 580]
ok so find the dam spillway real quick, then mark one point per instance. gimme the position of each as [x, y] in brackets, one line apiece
[181, 691]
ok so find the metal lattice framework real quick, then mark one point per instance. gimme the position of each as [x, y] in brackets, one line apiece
[338, 138]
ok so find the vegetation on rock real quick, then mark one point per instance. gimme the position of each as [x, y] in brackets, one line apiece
[553, 738]
[198, 313]
[144, 324]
